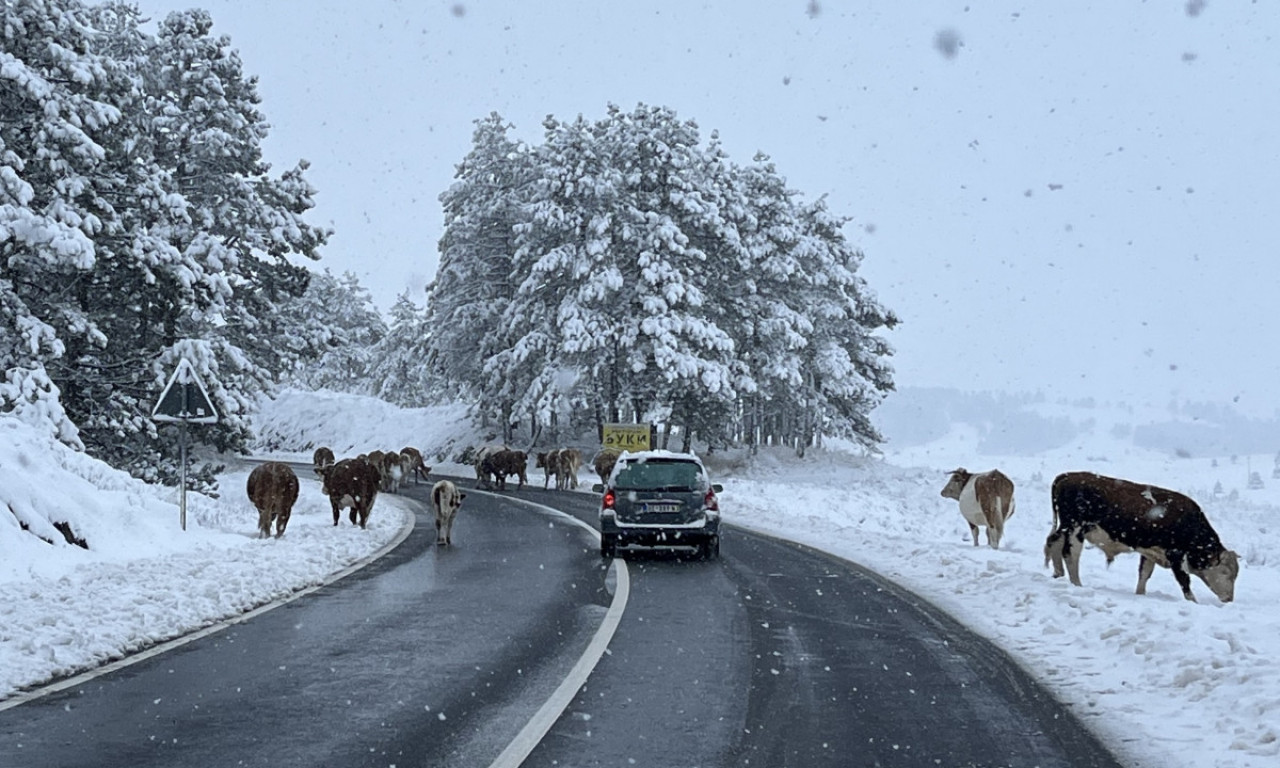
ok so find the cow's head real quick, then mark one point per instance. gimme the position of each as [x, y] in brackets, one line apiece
[959, 477]
[1220, 574]
[325, 472]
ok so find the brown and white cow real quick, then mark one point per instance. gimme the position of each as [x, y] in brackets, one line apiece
[501, 464]
[323, 457]
[273, 489]
[986, 500]
[447, 500]
[1164, 527]
[412, 464]
[351, 483]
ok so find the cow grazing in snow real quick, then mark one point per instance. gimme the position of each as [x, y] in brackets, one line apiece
[273, 489]
[447, 500]
[986, 500]
[1164, 527]
[412, 464]
[351, 483]
[323, 457]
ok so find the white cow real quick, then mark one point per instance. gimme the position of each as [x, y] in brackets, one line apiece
[447, 499]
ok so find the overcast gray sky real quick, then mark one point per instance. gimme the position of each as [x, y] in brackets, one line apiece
[1071, 197]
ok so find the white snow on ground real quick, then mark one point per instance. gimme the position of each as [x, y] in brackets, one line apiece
[1165, 681]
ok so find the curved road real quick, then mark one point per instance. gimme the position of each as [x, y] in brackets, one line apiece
[774, 655]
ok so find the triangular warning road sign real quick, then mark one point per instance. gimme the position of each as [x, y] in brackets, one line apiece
[185, 399]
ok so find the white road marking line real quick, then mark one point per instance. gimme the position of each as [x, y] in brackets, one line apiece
[533, 732]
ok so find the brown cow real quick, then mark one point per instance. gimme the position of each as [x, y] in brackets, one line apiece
[478, 456]
[351, 483]
[273, 489]
[413, 464]
[569, 461]
[1164, 527]
[446, 499]
[323, 457]
[986, 499]
[604, 462]
[502, 463]
[391, 469]
[549, 463]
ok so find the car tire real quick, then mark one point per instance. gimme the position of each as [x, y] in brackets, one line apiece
[711, 548]
[608, 545]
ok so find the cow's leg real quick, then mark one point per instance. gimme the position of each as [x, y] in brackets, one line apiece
[994, 532]
[281, 522]
[1072, 546]
[337, 511]
[439, 530]
[1177, 563]
[264, 524]
[1146, 566]
[973, 530]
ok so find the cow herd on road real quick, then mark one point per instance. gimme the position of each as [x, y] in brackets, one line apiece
[1164, 527]
[353, 484]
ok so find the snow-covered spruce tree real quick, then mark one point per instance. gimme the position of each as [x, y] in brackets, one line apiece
[56, 97]
[352, 330]
[474, 281]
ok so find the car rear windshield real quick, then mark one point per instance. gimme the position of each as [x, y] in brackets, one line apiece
[659, 475]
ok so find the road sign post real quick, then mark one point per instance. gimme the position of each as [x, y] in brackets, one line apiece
[184, 401]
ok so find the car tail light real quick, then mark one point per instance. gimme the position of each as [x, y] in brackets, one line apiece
[609, 498]
[710, 502]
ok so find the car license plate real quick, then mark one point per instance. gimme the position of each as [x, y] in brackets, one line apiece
[659, 508]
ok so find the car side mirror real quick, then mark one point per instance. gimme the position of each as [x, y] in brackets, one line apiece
[718, 488]
[597, 488]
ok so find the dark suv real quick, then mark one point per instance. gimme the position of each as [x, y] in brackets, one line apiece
[659, 499]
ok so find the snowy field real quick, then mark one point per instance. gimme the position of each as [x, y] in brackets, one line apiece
[1165, 681]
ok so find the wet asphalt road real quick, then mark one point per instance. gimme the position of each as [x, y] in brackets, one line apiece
[774, 655]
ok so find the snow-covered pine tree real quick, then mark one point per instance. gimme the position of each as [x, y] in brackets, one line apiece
[613, 270]
[846, 372]
[223, 270]
[56, 98]
[396, 373]
[474, 281]
[138, 216]
[343, 312]
[653, 279]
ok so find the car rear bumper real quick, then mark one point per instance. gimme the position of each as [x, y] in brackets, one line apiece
[649, 535]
